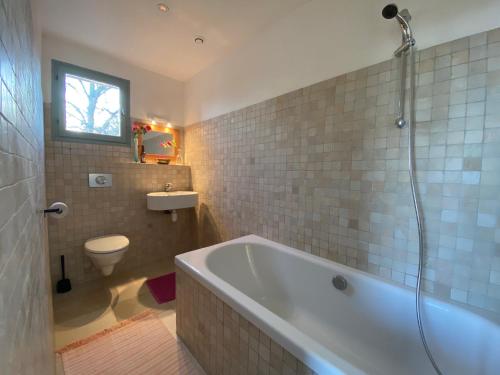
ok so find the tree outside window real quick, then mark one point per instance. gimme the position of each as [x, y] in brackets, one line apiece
[92, 107]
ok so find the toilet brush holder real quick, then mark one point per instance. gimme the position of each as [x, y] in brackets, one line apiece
[63, 285]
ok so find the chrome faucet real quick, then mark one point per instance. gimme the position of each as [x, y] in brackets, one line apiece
[169, 186]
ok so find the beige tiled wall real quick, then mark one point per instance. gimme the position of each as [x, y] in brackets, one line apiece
[120, 209]
[222, 340]
[324, 169]
[25, 314]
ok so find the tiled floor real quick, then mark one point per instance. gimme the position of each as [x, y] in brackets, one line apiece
[98, 305]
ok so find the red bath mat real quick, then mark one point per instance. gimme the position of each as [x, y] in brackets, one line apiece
[162, 288]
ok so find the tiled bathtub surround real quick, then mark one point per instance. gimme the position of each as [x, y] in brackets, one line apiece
[223, 341]
[324, 169]
[25, 314]
[120, 209]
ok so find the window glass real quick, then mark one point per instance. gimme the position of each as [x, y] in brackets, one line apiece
[91, 107]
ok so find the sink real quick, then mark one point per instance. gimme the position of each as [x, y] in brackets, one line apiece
[172, 200]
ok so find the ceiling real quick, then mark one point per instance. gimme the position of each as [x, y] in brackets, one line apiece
[138, 33]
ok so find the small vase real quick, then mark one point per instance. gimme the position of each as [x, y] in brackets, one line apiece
[179, 160]
[136, 149]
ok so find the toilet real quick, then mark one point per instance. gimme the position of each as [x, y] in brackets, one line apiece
[106, 251]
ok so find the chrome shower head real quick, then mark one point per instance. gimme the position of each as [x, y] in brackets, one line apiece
[391, 11]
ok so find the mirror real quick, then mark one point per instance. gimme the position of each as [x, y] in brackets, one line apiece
[159, 143]
[154, 142]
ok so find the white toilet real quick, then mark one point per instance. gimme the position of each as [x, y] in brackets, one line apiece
[106, 251]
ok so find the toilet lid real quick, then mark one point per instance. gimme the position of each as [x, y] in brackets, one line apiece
[107, 244]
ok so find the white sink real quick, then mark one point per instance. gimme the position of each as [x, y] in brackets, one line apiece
[172, 200]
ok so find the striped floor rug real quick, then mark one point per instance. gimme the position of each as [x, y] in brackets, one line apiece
[138, 346]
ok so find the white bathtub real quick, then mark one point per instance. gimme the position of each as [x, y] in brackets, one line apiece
[370, 328]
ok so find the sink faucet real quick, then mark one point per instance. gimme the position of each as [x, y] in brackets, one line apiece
[169, 186]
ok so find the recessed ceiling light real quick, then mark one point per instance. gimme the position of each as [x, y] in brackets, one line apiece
[162, 7]
[199, 40]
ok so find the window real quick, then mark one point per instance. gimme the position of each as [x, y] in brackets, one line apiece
[89, 106]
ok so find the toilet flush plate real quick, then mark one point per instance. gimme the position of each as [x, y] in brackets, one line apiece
[100, 180]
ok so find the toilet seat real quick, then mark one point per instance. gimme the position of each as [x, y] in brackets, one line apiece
[107, 244]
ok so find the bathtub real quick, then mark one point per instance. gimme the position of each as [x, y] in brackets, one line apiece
[369, 328]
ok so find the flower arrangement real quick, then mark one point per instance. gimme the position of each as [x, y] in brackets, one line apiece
[139, 128]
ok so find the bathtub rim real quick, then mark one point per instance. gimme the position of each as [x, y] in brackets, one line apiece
[299, 344]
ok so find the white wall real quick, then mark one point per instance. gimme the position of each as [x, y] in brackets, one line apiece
[151, 93]
[320, 40]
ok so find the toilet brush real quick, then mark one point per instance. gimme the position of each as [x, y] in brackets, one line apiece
[63, 285]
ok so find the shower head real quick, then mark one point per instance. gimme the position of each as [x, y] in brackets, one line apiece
[391, 11]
